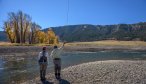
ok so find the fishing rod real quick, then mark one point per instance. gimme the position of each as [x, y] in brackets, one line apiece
[67, 13]
[67, 19]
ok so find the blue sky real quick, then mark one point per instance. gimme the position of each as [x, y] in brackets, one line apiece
[51, 13]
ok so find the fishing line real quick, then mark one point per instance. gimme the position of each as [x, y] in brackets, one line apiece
[67, 15]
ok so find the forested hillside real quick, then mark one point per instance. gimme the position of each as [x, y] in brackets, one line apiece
[88, 32]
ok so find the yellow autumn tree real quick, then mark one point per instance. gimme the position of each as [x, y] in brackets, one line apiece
[10, 32]
[41, 37]
[34, 33]
[56, 40]
[20, 29]
[51, 36]
[17, 27]
[48, 37]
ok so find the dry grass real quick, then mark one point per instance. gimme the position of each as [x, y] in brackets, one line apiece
[94, 43]
[26, 44]
[109, 43]
[5, 44]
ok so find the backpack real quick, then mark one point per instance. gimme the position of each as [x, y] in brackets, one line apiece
[43, 58]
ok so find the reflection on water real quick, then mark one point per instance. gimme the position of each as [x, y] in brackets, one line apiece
[22, 68]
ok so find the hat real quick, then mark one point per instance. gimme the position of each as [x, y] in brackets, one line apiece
[55, 47]
[44, 48]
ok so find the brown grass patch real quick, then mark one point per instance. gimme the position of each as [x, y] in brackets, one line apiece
[109, 43]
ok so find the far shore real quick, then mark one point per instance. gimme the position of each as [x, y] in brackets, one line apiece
[28, 49]
[80, 46]
[85, 44]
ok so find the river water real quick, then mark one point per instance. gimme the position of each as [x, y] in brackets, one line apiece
[19, 70]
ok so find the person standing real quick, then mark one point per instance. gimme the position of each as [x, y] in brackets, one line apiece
[43, 62]
[56, 54]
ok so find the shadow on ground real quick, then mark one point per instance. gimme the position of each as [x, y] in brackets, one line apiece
[63, 81]
[46, 82]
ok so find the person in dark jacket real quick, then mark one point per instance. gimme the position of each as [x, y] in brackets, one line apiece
[43, 62]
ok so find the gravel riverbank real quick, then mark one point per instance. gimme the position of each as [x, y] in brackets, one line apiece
[101, 72]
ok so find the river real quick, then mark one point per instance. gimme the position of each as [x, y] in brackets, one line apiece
[26, 68]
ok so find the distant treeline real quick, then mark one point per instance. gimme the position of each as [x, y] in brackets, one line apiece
[20, 29]
[87, 32]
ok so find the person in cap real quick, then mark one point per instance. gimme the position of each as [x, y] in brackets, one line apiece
[43, 62]
[55, 54]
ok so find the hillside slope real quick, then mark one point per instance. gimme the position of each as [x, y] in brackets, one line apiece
[88, 32]
[3, 36]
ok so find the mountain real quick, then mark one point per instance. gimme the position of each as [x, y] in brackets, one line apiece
[87, 32]
[3, 36]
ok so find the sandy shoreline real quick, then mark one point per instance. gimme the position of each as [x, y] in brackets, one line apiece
[101, 72]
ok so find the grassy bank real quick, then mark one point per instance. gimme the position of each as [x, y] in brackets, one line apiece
[109, 43]
[93, 43]
[17, 44]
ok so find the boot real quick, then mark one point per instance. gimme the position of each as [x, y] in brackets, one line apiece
[56, 75]
[59, 76]
[41, 75]
[44, 73]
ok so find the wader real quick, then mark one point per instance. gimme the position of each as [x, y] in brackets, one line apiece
[43, 67]
[57, 67]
